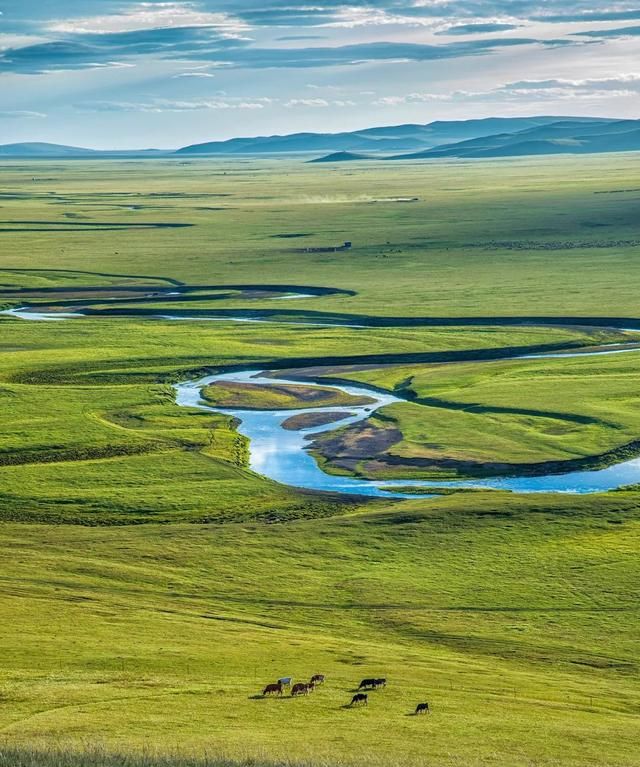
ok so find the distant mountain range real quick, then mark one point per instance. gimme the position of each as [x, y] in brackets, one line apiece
[392, 138]
[486, 138]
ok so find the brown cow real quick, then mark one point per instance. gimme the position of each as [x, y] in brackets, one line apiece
[422, 708]
[273, 689]
[360, 698]
[301, 688]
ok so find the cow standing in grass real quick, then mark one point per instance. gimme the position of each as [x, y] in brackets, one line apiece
[422, 708]
[273, 689]
[360, 699]
[301, 688]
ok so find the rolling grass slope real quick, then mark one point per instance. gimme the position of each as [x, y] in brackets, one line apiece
[516, 621]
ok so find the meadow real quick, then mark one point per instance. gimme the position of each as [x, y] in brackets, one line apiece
[152, 584]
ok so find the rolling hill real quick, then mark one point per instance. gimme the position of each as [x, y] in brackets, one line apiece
[340, 157]
[36, 149]
[41, 149]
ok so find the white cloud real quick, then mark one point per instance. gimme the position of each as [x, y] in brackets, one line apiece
[17, 41]
[350, 17]
[602, 83]
[558, 89]
[144, 16]
[411, 98]
[203, 75]
[307, 103]
[318, 103]
[167, 105]
[20, 115]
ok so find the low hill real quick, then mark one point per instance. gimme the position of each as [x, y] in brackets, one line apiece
[341, 157]
[40, 149]
[37, 149]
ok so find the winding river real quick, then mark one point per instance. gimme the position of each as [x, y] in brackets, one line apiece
[282, 454]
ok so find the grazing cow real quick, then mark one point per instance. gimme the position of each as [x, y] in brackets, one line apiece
[301, 688]
[360, 699]
[317, 679]
[422, 708]
[379, 683]
[367, 684]
[285, 681]
[273, 689]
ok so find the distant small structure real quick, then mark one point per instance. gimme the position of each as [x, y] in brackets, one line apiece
[331, 249]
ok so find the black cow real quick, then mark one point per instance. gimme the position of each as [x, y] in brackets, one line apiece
[360, 699]
[422, 708]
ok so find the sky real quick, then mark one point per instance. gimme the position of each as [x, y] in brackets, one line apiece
[121, 74]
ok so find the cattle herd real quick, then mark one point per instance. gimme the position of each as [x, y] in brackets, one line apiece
[304, 688]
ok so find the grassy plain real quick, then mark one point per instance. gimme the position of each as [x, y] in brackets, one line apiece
[534, 236]
[151, 584]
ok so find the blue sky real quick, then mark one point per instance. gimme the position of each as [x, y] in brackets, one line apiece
[116, 73]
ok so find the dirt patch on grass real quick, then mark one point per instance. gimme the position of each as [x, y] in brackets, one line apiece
[364, 441]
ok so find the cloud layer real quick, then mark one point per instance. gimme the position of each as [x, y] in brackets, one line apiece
[71, 59]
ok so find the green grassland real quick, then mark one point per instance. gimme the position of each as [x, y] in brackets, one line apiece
[152, 583]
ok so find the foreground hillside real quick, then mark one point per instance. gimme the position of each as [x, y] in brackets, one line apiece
[512, 618]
